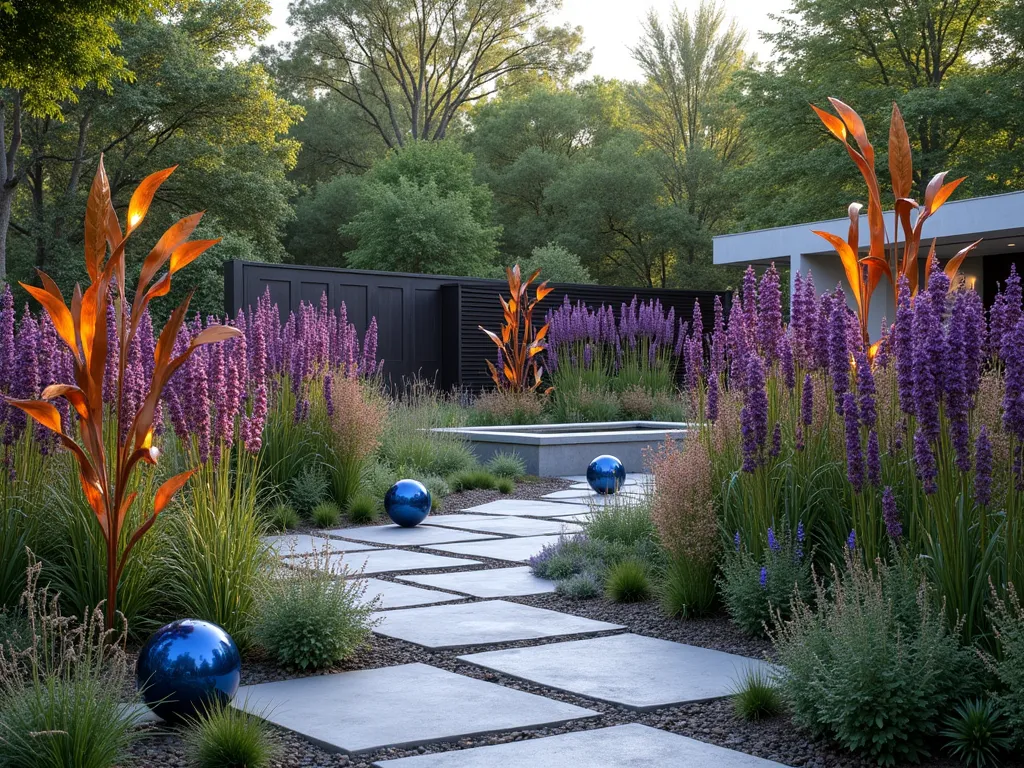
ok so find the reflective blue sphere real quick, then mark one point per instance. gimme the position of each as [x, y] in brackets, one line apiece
[187, 666]
[407, 503]
[606, 474]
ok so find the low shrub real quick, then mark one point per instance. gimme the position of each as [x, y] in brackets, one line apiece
[628, 581]
[683, 513]
[502, 407]
[410, 442]
[976, 733]
[505, 485]
[308, 488]
[326, 514]
[226, 737]
[754, 589]
[580, 586]
[507, 464]
[471, 480]
[309, 618]
[579, 553]
[875, 666]
[377, 479]
[61, 697]
[594, 405]
[1007, 616]
[756, 696]
[283, 516]
[640, 403]
[560, 560]
[363, 508]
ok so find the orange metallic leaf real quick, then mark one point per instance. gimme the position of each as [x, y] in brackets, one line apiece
[901, 166]
[953, 265]
[533, 277]
[833, 123]
[59, 314]
[215, 333]
[166, 491]
[510, 374]
[856, 128]
[142, 197]
[188, 252]
[96, 222]
[71, 393]
[40, 410]
[928, 262]
[174, 237]
[94, 495]
[850, 262]
[492, 336]
[943, 193]
[543, 290]
[541, 333]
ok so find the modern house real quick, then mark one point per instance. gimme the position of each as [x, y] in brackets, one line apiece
[998, 219]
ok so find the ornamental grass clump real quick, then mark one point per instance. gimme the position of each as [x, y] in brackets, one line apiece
[502, 406]
[976, 734]
[312, 618]
[874, 667]
[683, 513]
[357, 417]
[224, 736]
[507, 464]
[756, 695]
[628, 581]
[62, 691]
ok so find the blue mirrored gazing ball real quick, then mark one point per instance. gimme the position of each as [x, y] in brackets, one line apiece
[407, 503]
[606, 474]
[186, 667]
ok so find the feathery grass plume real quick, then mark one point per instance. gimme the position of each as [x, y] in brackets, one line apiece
[356, 426]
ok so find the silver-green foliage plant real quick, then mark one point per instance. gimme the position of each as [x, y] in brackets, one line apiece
[228, 737]
[875, 667]
[61, 695]
[310, 618]
[1007, 618]
[757, 589]
[308, 488]
[580, 586]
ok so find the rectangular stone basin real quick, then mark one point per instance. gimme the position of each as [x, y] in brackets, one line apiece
[556, 450]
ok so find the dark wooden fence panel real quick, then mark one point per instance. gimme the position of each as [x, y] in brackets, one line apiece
[427, 324]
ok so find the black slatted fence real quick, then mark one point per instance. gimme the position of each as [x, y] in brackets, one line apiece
[428, 324]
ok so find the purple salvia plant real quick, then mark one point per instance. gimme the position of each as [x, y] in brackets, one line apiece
[924, 462]
[839, 351]
[754, 415]
[874, 459]
[865, 390]
[807, 401]
[786, 361]
[903, 342]
[891, 515]
[769, 315]
[712, 401]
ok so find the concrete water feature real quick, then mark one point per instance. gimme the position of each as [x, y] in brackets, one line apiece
[554, 450]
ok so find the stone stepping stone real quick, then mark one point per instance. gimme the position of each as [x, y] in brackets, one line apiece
[512, 526]
[395, 595]
[398, 536]
[305, 544]
[402, 706]
[492, 621]
[581, 517]
[517, 550]
[588, 495]
[497, 582]
[597, 500]
[518, 508]
[621, 746]
[632, 478]
[384, 561]
[632, 670]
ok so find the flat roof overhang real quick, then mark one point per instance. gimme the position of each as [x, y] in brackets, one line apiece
[997, 219]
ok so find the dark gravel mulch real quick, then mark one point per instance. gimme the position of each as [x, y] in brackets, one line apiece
[775, 739]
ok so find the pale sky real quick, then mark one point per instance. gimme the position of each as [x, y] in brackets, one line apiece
[610, 27]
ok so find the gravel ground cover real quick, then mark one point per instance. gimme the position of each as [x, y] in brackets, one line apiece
[714, 722]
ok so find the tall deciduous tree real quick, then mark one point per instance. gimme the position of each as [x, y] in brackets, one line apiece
[411, 66]
[684, 108]
[950, 64]
[192, 103]
[48, 49]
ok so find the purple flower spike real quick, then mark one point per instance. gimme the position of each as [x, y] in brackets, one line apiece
[874, 459]
[736, 540]
[854, 454]
[764, 578]
[769, 314]
[773, 543]
[754, 415]
[851, 540]
[891, 515]
[807, 401]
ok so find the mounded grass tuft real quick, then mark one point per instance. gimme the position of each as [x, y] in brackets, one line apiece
[506, 484]
[756, 696]
[473, 479]
[628, 581]
[977, 734]
[326, 514]
[226, 737]
[283, 516]
[507, 464]
[363, 508]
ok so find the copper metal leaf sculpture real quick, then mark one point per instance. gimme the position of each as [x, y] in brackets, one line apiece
[82, 326]
[865, 272]
[518, 345]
